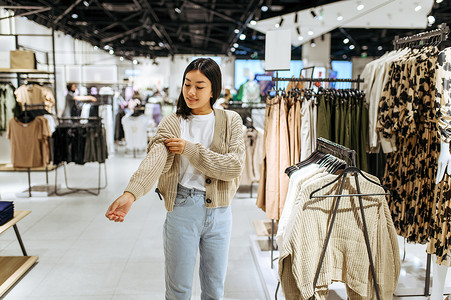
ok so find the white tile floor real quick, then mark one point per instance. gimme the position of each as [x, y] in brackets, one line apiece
[82, 255]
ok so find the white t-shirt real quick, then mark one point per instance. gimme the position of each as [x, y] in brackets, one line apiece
[196, 129]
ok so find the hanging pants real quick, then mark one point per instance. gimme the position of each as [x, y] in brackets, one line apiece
[191, 226]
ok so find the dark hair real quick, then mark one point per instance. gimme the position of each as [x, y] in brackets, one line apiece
[69, 86]
[211, 70]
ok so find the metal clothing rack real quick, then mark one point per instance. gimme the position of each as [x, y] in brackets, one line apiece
[349, 156]
[97, 121]
[424, 38]
[357, 80]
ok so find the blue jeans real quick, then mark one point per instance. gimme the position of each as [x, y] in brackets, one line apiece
[191, 226]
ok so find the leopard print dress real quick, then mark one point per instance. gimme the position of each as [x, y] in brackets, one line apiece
[440, 225]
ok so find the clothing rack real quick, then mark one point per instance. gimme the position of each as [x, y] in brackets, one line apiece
[92, 121]
[357, 80]
[349, 156]
[420, 39]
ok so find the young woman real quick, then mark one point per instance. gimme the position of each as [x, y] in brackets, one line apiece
[197, 155]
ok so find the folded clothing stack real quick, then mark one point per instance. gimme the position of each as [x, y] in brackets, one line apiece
[6, 211]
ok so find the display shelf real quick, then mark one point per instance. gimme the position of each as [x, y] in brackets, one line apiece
[30, 71]
[14, 267]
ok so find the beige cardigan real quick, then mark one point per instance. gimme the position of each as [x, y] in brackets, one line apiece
[346, 258]
[222, 164]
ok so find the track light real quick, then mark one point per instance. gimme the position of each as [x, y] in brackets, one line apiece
[339, 18]
[178, 10]
[298, 30]
[295, 18]
[264, 8]
[312, 43]
[281, 22]
[345, 41]
[431, 19]
[86, 3]
[418, 8]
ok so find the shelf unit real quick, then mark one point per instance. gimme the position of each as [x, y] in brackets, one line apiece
[14, 267]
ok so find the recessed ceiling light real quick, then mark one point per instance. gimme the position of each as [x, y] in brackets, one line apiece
[277, 25]
[431, 20]
[111, 51]
[106, 47]
[121, 58]
[380, 48]
[74, 16]
[310, 32]
[300, 38]
[418, 8]
[178, 10]
[360, 6]
[439, 1]
[236, 31]
[352, 47]
[313, 44]
[253, 22]
[232, 49]
[264, 8]
[242, 36]
[345, 41]
[340, 18]
[135, 62]
[86, 3]
[236, 45]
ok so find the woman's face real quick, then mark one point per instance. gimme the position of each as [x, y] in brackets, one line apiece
[197, 92]
[73, 88]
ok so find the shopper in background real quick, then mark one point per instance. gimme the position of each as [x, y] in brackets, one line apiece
[73, 103]
[197, 156]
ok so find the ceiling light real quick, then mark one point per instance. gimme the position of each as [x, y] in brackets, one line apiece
[121, 58]
[364, 47]
[345, 41]
[439, 1]
[360, 6]
[345, 56]
[242, 36]
[298, 30]
[86, 3]
[122, 42]
[236, 31]
[339, 18]
[111, 51]
[178, 10]
[380, 48]
[277, 25]
[300, 38]
[106, 47]
[253, 22]
[135, 62]
[312, 12]
[264, 8]
[431, 20]
[281, 22]
[312, 44]
[418, 8]
[161, 44]
[232, 49]
[74, 16]
[310, 32]
[96, 48]
[352, 47]
[236, 45]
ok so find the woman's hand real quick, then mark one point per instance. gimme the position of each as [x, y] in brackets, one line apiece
[175, 145]
[120, 207]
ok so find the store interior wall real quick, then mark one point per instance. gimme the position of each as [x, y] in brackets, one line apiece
[318, 56]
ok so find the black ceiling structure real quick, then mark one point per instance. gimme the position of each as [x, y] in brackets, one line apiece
[168, 27]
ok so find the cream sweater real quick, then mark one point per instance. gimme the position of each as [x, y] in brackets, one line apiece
[222, 164]
[346, 258]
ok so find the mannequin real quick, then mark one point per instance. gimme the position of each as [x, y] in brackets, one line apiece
[439, 272]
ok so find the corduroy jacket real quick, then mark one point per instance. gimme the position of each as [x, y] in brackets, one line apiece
[222, 164]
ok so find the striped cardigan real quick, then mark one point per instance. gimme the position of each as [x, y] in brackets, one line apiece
[222, 164]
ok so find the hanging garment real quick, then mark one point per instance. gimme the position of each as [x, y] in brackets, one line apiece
[407, 122]
[253, 139]
[346, 259]
[7, 104]
[135, 130]
[440, 225]
[251, 92]
[29, 142]
[106, 113]
[35, 94]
